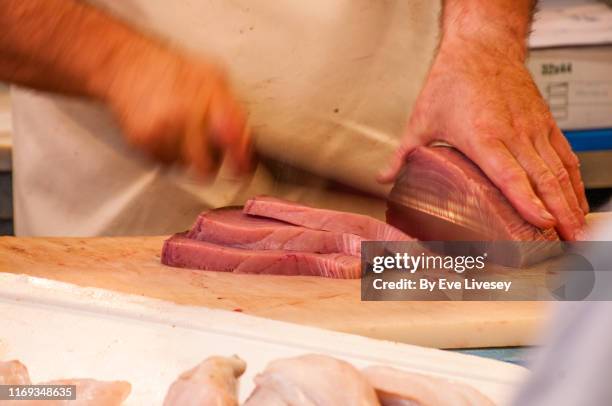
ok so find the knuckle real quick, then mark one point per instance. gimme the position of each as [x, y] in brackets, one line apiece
[488, 140]
[547, 181]
[563, 176]
[572, 161]
[549, 119]
[522, 134]
[542, 114]
[523, 128]
[528, 138]
[539, 133]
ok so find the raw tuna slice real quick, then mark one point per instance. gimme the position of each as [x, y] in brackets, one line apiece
[184, 252]
[442, 195]
[322, 219]
[231, 227]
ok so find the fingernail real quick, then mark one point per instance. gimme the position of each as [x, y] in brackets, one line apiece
[585, 208]
[581, 235]
[546, 215]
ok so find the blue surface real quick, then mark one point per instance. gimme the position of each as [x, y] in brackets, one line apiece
[513, 355]
[590, 140]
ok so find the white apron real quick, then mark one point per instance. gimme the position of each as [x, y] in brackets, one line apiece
[328, 85]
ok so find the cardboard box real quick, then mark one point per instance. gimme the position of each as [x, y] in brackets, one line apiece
[577, 84]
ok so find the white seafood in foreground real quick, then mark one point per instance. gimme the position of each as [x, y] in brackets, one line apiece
[213, 382]
[13, 373]
[400, 388]
[311, 380]
[91, 392]
[267, 397]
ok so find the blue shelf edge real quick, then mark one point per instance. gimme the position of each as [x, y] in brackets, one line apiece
[590, 140]
[514, 355]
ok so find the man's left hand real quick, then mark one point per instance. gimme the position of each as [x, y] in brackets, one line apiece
[484, 102]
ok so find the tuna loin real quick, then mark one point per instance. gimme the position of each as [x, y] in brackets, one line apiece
[442, 195]
[322, 219]
[184, 252]
[231, 227]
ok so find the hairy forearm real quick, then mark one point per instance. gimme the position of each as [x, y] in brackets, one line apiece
[24, 71]
[500, 24]
[65, 46]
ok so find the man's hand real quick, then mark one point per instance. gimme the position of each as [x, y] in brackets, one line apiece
[179, 109]
[173, 106]
[480, 98]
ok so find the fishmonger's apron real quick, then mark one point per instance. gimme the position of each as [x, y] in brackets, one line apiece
[328, 85]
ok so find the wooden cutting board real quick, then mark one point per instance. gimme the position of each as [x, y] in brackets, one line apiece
[132, 265]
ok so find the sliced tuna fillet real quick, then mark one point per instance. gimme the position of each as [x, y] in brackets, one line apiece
[14, 373]
[184, 252]
[366, 227]
[212, 382]
[400, 388]
[310, 380]
[231, 227]
[441, 194]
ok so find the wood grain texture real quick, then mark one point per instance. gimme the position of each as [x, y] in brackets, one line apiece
[131, 265]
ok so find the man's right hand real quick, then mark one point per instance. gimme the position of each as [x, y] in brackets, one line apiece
[173, 106]
[179, 109]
